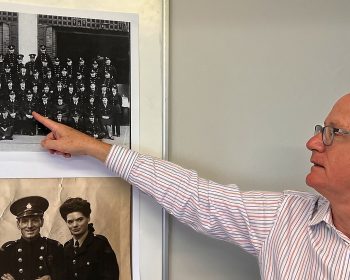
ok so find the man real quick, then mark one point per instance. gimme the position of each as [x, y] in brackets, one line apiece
[43, 107]
[6, 127]
[11, 56]
[13, 106]
[87, 255]
[93, 127]
[19, 64]
[43, 55]
[27, 120]
[32, 256]
[116, 102]
[105, 112]
[30, 65]
[294, 235]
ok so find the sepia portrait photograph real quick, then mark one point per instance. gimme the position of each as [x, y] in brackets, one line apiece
[65, 229]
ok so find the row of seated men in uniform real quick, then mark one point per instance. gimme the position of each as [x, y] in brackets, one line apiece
[96, 115]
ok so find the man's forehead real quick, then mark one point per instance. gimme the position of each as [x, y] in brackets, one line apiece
[339, 116]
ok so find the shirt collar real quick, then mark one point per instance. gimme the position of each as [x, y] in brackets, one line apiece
[322, 212]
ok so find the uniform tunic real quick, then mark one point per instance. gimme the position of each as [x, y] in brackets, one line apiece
[32, 260]
[95, 259]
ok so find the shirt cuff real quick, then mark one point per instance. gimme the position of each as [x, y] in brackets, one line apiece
[121, 160]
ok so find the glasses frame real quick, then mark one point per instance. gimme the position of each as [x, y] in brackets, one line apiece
[333, 131]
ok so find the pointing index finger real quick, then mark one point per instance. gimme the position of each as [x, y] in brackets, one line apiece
[45, 121]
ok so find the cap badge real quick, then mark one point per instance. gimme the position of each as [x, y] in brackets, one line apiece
[29, 206]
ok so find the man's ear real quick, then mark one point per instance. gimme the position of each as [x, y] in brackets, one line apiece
[18, 224]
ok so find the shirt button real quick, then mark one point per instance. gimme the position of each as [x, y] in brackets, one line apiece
[20, 260]
[20, 270]
[74, 261]
[41, 258]
[42, 248]
[40, 268]
[75, 274]
[19, 250]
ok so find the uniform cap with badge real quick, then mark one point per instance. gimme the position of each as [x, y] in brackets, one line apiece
[29, 206]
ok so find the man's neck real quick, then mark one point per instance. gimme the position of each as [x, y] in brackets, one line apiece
[341, 219]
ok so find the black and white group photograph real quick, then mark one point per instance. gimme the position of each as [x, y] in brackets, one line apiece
[73, 70]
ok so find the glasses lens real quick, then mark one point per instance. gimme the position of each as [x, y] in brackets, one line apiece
[328, 134]
[318, 129]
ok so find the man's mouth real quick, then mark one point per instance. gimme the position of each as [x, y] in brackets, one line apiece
[316, 164]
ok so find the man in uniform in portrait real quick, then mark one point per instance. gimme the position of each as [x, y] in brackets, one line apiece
[44, 108]
[32, 256]
[19, 64]
[13, 106]
[30, 65]
[6, 128]
[11, 56]
[27, 120]
[43, 55]
[87, 256]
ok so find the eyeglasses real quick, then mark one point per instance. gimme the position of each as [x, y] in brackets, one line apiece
[328, 133]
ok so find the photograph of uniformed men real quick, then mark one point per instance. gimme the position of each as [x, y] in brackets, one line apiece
[80, 77]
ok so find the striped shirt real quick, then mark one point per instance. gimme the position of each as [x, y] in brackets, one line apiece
[291, 233]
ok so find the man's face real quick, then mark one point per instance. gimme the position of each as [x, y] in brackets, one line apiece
[30, 226]
[4, 115]
[330, 174]
[77, 224]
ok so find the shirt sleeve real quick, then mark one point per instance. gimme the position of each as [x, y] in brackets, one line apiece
[221, 211]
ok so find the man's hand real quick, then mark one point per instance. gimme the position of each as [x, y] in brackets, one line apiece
[66, 141]
[7, 276]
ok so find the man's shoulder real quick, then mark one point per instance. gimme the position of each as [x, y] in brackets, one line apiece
[292, 194]
[7, 246]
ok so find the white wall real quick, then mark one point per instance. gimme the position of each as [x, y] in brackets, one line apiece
[249, 80]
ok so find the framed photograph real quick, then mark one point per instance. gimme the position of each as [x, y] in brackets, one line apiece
[77, 67]
[35, 229]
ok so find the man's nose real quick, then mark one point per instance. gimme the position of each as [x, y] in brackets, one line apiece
[315, 143]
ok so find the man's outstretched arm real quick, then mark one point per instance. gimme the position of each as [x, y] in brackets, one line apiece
[66, 141]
